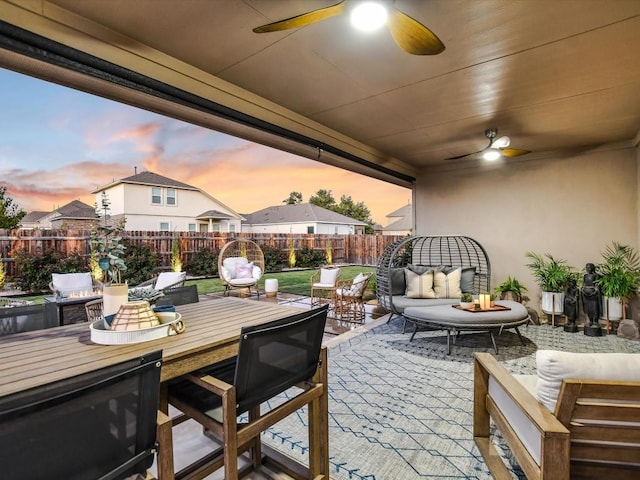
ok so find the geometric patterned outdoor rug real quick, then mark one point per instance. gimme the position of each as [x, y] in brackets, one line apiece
[404, 410]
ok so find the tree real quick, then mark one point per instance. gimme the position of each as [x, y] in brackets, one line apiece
[293, 198]
[10, 213]
[323, 198]
[359, 211]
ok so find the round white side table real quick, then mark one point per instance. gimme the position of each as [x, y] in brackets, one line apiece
[271, 287]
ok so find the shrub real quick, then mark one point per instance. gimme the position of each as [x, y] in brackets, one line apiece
[308, 258]
[202, 263]
[274, 260]
[141, 261]
[36, 269]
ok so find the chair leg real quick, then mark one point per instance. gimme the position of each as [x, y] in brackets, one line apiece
[230, 431]
[256, 448]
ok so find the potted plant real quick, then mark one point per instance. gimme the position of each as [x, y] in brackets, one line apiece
[512, 289]
[618, 278]
[106, 246]
[466, 300]
[552, 276]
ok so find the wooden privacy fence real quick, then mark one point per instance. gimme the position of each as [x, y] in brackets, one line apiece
[349, 249]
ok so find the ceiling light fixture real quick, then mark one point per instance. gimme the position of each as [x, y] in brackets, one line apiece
[369, 16]
[491, 154]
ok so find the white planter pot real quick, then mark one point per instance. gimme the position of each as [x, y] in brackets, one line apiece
[614, 307]
[113, 297]
[553, 302]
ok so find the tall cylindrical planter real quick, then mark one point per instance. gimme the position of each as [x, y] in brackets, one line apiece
[612, 308]
[553, 302]
[113, 296]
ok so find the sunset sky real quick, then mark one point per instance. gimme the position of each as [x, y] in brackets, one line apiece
[57, 144]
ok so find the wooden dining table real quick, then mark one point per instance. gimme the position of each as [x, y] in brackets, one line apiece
[212, 333]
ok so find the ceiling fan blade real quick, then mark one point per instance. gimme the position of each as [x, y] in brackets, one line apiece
[303, 20]
[513, 152]
[465, 155]
[412, 36]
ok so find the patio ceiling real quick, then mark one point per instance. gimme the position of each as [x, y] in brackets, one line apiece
[553, 75]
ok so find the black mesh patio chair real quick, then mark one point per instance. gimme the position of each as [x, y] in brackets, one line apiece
[272, 358]
[27, 318]
[97, 425]
[179, 296]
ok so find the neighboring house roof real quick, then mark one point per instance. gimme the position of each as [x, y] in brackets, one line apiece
[401, 212]
[75, 209]
[213, 214]
[401, 219]
[399, 225]
[34, 216]
[298, 213]
[148, 178]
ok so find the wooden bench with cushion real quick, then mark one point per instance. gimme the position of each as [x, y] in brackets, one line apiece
[593, 432]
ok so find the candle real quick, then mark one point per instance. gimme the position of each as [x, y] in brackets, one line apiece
[485, 301]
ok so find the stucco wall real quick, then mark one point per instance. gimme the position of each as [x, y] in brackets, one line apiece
[571, 207]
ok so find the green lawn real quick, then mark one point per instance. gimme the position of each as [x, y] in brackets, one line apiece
[294, 281]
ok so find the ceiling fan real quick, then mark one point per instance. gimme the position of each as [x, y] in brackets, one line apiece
[408, 33]
[496, 149]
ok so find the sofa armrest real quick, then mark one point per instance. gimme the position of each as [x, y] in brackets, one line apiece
[549, 457]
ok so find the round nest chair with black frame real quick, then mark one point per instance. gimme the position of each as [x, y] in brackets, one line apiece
[240, 265]
[434, 250]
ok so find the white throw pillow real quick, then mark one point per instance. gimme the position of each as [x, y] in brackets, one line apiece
[328, 276]
[230, 264]
[72, 282]
[169, 278]
[447, 285]
[419, 286]
[554, 366]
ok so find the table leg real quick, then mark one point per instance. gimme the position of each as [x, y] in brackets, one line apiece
[60, 315]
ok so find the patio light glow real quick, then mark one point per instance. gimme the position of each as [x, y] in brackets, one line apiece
[369, 16]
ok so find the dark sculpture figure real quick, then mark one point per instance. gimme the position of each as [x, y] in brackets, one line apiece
[591, 301]
[571, 306]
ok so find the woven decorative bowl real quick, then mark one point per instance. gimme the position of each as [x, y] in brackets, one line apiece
[135, 316]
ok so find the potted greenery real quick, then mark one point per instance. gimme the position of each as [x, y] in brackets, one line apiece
[552, 276]
[106, 246]
[618, 278]
[512, 289]
[466, 300]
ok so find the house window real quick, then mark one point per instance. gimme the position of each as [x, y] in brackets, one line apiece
[192, 227]
[232, 227]
[156, 196]
[310, 229]
[335, 229]
[164, 226]
[215, 227]
[171, 196]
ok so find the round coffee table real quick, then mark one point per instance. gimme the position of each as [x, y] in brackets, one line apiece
[454, 320]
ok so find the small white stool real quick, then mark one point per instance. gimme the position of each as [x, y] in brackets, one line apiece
[271, 287]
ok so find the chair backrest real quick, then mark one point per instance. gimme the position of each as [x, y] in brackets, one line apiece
[67, 283]
[28, 317]
[170, 279]
[97, 425]
[240, 247]
[329, 275]
[276, 355]
[179, 296]
[603, 418]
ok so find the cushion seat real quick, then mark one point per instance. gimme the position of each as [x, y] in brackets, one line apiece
[445, 317]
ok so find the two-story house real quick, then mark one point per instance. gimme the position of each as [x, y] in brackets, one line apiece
[153, 202]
